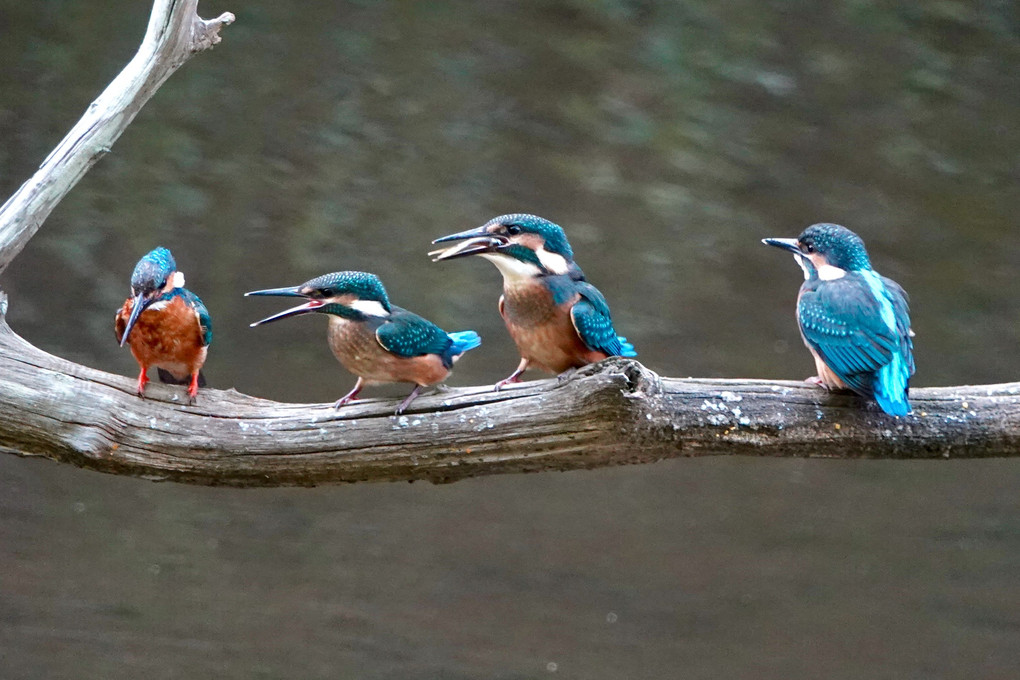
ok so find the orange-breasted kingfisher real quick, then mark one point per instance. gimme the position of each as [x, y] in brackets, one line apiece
[556, 318]
[374, 339]
[164, 324]
[855, 321]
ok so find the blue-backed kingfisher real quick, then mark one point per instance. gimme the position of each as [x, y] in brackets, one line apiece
[165, 324]
[855, 321]
[374, 339]
[557, 319]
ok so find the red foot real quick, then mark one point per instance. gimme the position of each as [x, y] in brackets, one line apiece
[193, 388]
[815, 380]
[143, 379]
[509, 380]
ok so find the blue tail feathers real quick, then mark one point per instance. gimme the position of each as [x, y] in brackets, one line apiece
[626, 349]
[895, 406]
[891, 384]
[463, 341]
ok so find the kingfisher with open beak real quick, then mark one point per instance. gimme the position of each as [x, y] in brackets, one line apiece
[374, 339]
[556, 318]
[855, 321]
[164, 324]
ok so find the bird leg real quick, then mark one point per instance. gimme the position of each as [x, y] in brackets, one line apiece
[513, 377]
[350, 395]
[815, 380]
[143, 378]
[193, 388]
[404, 404]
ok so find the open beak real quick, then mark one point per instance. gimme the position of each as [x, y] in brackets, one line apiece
[474, 242]
[136, 309]
[293, 291]
[790, 244]
[472, 246]
[309, 306]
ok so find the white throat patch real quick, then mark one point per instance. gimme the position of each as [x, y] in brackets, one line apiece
[828, 272]
[557, 264]
[802, 261]
[512, 269]
[177, 281]
[369, 307]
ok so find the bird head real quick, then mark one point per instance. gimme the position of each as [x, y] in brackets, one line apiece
[353, 295]
[156, 273]
[520, 245]
[826, 250]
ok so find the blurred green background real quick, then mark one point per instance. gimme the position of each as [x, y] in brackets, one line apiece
[667, 138]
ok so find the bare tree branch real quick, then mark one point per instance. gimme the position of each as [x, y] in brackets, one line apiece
[175, 33]
[613, 413]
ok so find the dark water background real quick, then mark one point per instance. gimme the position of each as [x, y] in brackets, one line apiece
[667, 138]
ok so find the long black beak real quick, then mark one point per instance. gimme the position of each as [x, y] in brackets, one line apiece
[475, 241]
[136, 309]
[309, 306]
[294, 291]
[790, 244]
[461, 235]
[472, 246]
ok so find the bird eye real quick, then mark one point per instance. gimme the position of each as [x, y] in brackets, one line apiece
[513, 229]
[809, 247]
[162, 283]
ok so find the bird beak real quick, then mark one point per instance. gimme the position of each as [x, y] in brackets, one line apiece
[472, 246]
[309, 306]
[461, 235]
[790, 244]
[293, 291]
[136, 309]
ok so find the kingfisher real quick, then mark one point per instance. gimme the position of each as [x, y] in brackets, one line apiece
[374, 339]
[165, 324]
[855, 321]
[556, 318]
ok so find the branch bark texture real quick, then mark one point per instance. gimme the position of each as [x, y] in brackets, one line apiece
[612, 413]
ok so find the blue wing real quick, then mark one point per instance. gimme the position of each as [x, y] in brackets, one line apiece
[406, 334]
[195, 302]
[593, 323]
[858, 327]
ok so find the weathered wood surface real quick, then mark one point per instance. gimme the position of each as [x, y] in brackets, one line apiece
[613, 413]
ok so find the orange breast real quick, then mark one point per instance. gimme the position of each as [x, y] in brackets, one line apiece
[543, 331]
[355, 346]
[168, 337]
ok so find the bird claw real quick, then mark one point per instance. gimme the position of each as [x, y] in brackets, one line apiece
[506, 381]
[815, 380]
[342, 401]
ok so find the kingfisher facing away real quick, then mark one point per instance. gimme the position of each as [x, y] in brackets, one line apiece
[375, 340]
[855, 321]
[165, 324]
[558, 320]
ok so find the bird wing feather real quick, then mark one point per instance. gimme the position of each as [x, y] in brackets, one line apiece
[195, 302]
[842, 321]
[406, 334]
[592, 321]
